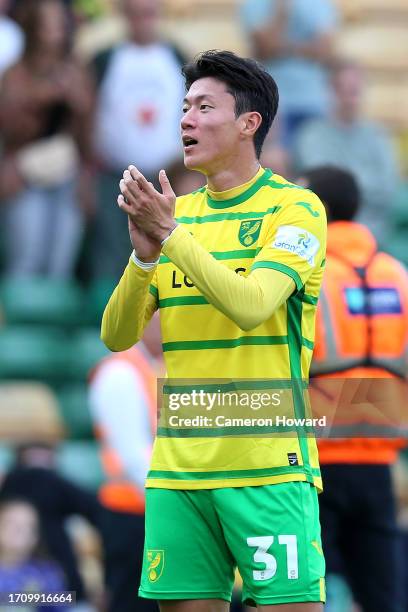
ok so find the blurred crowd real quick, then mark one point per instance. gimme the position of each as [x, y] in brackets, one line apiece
[70, 123]
[68, 129]
[69, 126]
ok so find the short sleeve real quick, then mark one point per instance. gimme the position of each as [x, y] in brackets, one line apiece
[294, 241]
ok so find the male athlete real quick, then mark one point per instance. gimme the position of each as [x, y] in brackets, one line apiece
[235, 269]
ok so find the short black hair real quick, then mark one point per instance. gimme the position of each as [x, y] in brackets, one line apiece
[338, 190]
[252, 87]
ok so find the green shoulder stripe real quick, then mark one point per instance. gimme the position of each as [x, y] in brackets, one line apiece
[309, 208]
[276, 185]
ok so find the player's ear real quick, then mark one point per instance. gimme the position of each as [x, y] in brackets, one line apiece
[250, 123]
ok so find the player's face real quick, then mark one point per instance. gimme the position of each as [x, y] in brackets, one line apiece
[209, 129]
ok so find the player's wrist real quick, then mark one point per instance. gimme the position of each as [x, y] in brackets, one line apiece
[146, 263]
[149, 257]
[166, 232]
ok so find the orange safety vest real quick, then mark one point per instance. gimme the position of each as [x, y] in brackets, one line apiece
[361, 330]
[118, 493]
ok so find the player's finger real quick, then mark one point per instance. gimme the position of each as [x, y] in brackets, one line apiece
[127, 177]
[141, 180]
[123, 205]
[165, 184]
[134, 172]
[123, 186]
[131, 184]
[130, 191]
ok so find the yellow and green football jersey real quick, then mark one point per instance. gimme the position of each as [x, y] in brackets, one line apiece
[266, 223]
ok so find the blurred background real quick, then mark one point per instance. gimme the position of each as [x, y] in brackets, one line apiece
[89, 86]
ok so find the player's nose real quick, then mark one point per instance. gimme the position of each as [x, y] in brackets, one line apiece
[188, 120]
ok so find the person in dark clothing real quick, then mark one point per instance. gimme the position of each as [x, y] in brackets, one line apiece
[361, 334]
[33, 478]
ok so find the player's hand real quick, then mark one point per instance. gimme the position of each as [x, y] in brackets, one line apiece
[150, 211]
[146, 249]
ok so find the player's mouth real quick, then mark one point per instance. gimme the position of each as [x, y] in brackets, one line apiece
[189, 143]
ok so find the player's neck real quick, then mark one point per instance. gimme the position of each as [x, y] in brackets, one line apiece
[232, 176]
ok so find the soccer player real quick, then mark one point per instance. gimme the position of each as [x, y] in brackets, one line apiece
[235, 269]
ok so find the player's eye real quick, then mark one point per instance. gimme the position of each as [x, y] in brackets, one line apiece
[205, 106]
[185, 109]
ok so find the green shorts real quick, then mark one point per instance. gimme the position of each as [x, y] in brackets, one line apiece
[196, 539]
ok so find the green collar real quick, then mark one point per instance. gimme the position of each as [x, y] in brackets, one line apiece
[241, 197]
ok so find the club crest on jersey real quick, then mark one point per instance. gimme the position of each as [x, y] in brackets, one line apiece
[155, 559]
[249, 232]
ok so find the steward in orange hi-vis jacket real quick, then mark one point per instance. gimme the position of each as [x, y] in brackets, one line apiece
[361, 333]
[122, 396]
[120, 493]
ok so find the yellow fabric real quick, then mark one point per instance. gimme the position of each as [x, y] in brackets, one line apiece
[130, 308]
[237, 286]
[246, 301]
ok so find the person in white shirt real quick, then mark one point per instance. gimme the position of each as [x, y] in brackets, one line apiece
[133, 124]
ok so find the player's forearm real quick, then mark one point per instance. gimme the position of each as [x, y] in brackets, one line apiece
[246, 301]
[129, 309]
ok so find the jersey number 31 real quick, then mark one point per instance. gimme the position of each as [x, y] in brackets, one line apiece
[262, 555]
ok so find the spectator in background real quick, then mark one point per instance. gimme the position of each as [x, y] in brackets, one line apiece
[11, 38]
[124, 406]
[23, 565]
[294, 40]
[361, 333]
[133, 123]
[45, 104]
[35, 479]
[349, 141]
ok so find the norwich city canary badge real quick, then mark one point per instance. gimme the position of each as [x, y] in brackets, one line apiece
[249, 232]
[155, 559]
